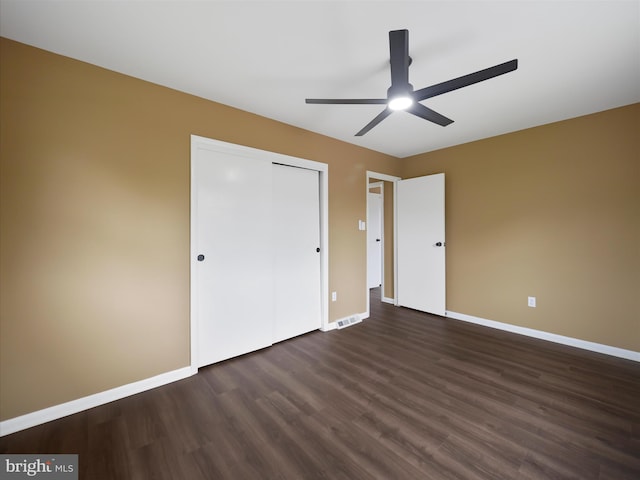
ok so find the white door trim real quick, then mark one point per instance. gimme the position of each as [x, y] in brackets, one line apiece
[388, 178]
[233, 149]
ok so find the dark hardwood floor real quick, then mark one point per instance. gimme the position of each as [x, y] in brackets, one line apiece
[403, 395]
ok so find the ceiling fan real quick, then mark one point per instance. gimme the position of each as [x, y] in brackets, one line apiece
[402, 96]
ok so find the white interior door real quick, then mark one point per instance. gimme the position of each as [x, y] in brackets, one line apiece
[296, 223]
[233, 236]
[374, 240]
[420, 244]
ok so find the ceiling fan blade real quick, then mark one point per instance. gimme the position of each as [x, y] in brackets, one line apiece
[347, 101]
[399, 53]
[465, 80]
[381, 116]
[421, 111]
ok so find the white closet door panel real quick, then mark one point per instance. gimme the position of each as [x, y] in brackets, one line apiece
[296, 221]
[234, 233]
[421, 252]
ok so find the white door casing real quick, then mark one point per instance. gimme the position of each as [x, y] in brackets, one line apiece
[420, 217]
[383, 177]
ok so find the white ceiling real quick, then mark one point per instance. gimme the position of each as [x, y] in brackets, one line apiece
[266, 57]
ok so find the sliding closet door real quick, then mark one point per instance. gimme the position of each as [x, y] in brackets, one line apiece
[234, 254]
[296, 222]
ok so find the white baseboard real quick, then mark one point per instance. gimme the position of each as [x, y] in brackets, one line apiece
[389, 300]
[329, 326]
[551, 337]
[59, 411]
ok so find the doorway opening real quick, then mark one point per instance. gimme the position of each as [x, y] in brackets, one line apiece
[380, 238]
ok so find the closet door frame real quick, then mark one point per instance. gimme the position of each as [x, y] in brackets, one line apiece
[198, 142]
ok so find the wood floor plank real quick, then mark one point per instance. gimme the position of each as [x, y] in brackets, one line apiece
[403, 394]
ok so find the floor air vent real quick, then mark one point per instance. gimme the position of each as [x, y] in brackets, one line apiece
[345, 322]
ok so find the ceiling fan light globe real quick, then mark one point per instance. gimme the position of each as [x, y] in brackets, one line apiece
[400, 103]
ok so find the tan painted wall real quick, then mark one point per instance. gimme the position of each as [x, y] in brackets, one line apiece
[94, 225]
[551, 212]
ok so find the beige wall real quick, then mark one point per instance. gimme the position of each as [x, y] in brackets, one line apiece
[94, 259]
[551, 212]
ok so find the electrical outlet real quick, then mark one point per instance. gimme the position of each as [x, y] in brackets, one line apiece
[334, 296]
[531, 302]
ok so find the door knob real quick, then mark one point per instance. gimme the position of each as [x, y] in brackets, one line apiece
[438, 244]
[200, 257]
